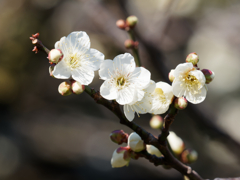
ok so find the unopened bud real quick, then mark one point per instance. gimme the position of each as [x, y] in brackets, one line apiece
[180, 103]
[135, 142]
[192, 58]
[129, 44]
[171, 75]
[209, 75]
[55, 55]
[77, 87]
[176, 143]
[156, 122]
[153, 150]
[65, 88]
[121, 24]
[121, 157]
[131, 21]
[119, 136]
[189, 156]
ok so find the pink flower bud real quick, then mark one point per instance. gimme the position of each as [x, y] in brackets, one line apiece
[131, 21]
[171, 75]
[192, 58]
[121, 24]
[180, 103]
[77, 87]
[135, 142]
[65, 89]
[119, 136]
[129, 44]
[121, 157]
[55, 55]
[156, 122]
[209, 75]
[189, 156]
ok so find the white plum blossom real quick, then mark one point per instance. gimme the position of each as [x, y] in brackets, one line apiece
[140, 107]
[79, 61]
[162, 97]
[153, 150]
[123, 80]
[189, 82]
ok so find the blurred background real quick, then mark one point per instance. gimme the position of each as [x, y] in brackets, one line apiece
[45, 136]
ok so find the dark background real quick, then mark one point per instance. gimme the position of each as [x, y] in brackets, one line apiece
[45, 136]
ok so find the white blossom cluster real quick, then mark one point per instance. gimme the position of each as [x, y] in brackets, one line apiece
[129, 85]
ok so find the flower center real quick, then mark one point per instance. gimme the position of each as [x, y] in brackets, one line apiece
[192, 83]
[73, 61]
[160, 95]
[121, 81]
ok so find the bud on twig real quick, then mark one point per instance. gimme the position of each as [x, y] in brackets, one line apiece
[209, 75]
[121, 24]
[189, 156]
[131, 21]
[55, 55]
[65, 88]
[135, 142]
[77, 87]
[119, 136]
[156, 122]
[176, 143]
[171, 75]
[130, 44]
[180, 103]
[121, 157]
[192, 58]
[153, 150]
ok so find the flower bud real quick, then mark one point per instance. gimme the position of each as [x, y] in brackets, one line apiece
[176, 143]
[131, 21]
[135, 142]
[77, 87]
[192, 58]
[153, 150]
[51, 70]
[65, 88]
[180, 103]
[55, 55]
[189, 156]
[129, 44]
[119, 136]
[209, 75]
[121, 24]
[156, 122]
[120, 157]
[171, 75]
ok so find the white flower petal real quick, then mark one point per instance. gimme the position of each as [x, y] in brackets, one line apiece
[108, 91]
[117, 160]
[61, 71]
[63, 45]
[128, 112]
[151, 87]
[94, 58]
[106, 69]
[178, 90]
[183, 67]
[126, 95]
[141, 77]
[197, 98]
[79, 41]
[167, 89]
[83, 75]
[161, 110]
[200, 76]
[57, 45]
[125, 63]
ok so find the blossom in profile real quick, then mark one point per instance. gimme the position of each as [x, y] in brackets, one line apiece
[140, 107]
[79, 61]
[135, 142]
[190, 83]
[120, 157]
[124, 82]
[162, 97]
[176, 143]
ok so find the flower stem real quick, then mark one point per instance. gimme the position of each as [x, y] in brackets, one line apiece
[135, 50]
